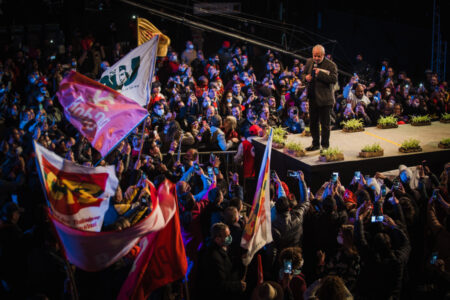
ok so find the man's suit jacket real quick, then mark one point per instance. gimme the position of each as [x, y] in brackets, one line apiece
[324, 81]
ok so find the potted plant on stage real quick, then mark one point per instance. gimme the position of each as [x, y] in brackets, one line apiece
[444, 144]
[410, 145]
[445, 118]
[387, 122]
[373, 150]
[294, 149]
[331, 154]
[279, 137]
[352, 125]
[307, 131]
[421, 120]
[278, 141]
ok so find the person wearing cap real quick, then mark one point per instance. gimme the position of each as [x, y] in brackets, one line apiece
[224, 54]
[245, 157]
[246, 152]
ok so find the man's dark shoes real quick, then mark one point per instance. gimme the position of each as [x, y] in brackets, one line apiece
[312, 148]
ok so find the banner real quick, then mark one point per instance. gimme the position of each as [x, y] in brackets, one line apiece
[146, 30]
[162, 258]
[78, 196]
[94, 251]
[132, 75]
[258, 231]
[100, 113]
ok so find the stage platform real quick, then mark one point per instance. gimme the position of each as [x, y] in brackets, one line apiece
[317, 172]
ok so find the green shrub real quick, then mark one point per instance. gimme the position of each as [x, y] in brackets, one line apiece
[279, 131]
[446, 142]
[331, 152]
[421, 119]
[353, 124]
[372, 148]
[278, 139]
[387, 121]
[294, 146]
[410, 144]
[445, 116]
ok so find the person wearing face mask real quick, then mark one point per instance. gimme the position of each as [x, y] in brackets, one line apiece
[189, 54]
[157, 115]
[220, 279]
[290, 273]
[346, 263]
[226, 104]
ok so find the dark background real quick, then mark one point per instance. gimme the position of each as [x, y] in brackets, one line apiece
[396, 29]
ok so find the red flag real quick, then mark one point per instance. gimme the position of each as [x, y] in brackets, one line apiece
[162, 258]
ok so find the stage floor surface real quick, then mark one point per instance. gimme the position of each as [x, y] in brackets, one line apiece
[389, 139]
[352, 143]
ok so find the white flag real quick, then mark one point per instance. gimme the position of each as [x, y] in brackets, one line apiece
[258, 230]
[132, 75]
[78, 196]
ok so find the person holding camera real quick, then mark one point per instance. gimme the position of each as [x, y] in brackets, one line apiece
[383, 257]
[287, 226]
[321, 76]
[294, 124]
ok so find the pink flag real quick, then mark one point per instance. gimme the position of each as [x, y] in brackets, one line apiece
[94, 251]
[101, 114]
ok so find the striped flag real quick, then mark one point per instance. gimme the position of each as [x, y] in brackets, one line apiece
[258, 231]
[146, 31]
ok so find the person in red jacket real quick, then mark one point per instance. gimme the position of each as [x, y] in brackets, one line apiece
[245, 156]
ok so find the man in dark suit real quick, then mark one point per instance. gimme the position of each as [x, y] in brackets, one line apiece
[321, 75]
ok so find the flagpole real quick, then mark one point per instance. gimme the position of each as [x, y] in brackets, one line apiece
[149, 87]
[245, 272]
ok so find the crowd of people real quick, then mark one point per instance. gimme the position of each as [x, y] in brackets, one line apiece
[373, 238]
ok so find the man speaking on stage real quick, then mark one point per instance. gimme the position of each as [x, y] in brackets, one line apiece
[320, 74]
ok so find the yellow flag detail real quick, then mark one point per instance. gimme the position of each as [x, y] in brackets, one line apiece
[146, 31]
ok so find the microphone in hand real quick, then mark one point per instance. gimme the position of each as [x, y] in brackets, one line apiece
[313, 72]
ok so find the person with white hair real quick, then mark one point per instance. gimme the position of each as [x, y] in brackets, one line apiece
[320, 75]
